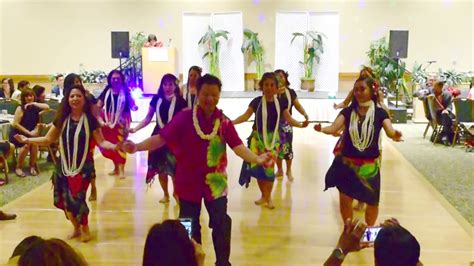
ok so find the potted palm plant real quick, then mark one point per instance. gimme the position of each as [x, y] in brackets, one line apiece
[210, 42]
[254, 51]
[452, 77]
[313, 48]
[389, 74]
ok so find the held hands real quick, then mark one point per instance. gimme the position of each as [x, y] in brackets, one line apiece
[349, 240]
[266, 159]
[128, 147]
[132, 130]
[304, 123]
[21, 138]
[318, 127]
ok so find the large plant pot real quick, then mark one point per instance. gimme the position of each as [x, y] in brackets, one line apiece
[255, 84]
[307, 84]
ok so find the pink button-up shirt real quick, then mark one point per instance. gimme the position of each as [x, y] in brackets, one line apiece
[201, 164]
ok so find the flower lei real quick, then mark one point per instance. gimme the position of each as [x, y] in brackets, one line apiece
[170, 111]
[198, 129]
[69, 167]
[263, 103]
[362, 141]
[115, 116]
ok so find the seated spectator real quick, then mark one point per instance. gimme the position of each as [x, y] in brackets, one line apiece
[444, 112]
[6, 216]
[7, 88]
[6, 149]
[152, 41]
[470, 95]
[427, 88]
[394, 245]
[25, 123]
[50, 252]
[40, 93]
[57, 90]
[168, 244]
[21, 86]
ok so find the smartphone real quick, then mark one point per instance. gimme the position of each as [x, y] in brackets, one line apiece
[187, 223]
[370, 234]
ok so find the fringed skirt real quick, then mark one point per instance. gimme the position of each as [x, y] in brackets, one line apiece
[160, 161]
[357, 178]
[70, 191]
[267, 172]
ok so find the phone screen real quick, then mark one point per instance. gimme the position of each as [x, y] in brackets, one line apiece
[187, 223]
[370, 234]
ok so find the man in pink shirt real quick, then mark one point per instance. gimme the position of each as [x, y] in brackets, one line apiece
[198, 138]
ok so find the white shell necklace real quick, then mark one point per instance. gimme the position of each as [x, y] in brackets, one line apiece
[263, 104]
[170, 111]
[363, 140]
[115, 116]
[189, 98]
[69, 166]
[198, 129]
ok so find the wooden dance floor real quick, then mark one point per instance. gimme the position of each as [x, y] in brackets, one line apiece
[302, 230]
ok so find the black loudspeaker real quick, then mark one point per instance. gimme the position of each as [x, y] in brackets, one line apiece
[398, 44]
[120, 44]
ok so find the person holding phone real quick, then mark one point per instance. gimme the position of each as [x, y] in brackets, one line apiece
[393, 245]
[198, 138]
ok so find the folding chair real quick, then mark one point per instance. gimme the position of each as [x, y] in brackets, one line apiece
[464, 114]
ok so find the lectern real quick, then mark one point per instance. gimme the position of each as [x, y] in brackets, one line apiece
[156, 62]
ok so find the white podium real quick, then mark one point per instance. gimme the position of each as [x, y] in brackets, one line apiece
[156, 62]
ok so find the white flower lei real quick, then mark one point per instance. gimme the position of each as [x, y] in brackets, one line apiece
[170, 111]
[198, 129]
[263, 103]
[115, 116]
[69, 167]
[363, 140]
[189, 97]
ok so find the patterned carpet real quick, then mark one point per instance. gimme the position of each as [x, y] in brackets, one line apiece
[19, 186]
[450, 170]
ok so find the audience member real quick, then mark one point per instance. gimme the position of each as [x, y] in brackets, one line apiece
[21, 86]
[394, 245]
[427, 88]
[25, 122]
[40, 93]
[24, 245]
[56, 90]
[5, 216]
[51, 252]
[7, 88]
[470, 95]
[6, 149]
[152, 41]
[168, 244]
[444, 112]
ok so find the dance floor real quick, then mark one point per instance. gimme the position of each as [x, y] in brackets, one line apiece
[302, 230]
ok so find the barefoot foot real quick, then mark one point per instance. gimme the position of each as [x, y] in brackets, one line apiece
[260, 201]
[165, 199]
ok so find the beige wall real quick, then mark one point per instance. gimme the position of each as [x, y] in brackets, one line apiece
[1, 37]
[42, 37]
